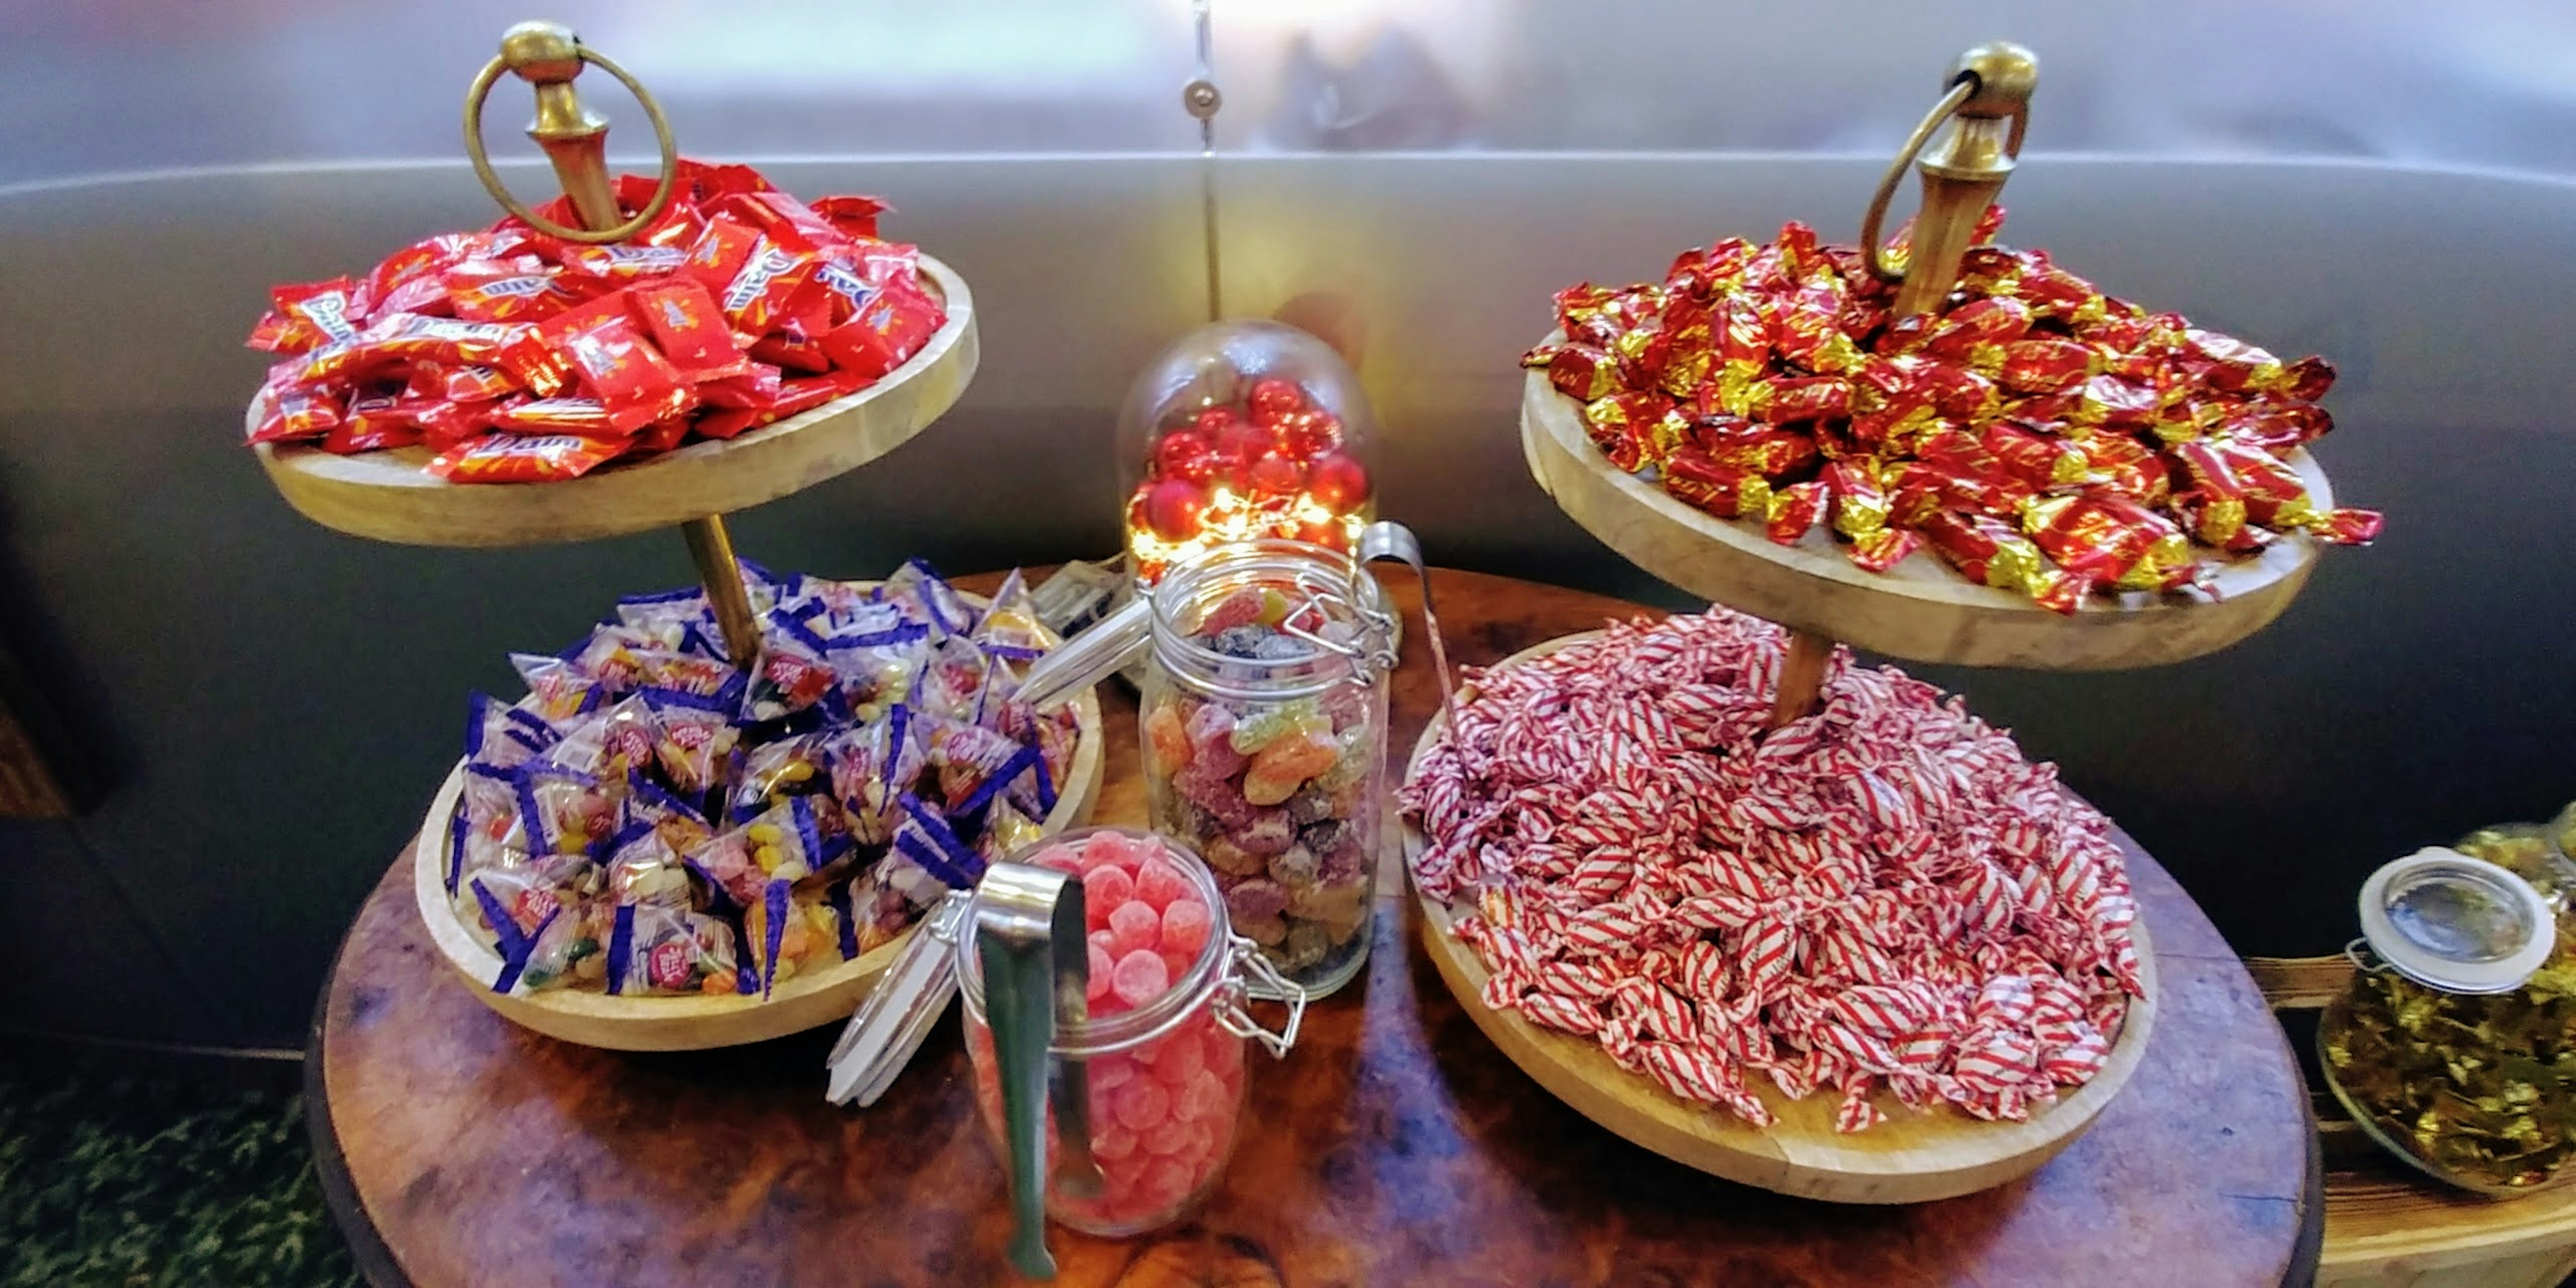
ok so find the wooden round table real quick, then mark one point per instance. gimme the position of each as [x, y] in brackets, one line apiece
[1393, 1146]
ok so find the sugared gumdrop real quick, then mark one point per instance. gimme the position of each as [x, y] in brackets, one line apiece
[1159, 884]
[1185, 926]
[1140, 977]
[1133, 925]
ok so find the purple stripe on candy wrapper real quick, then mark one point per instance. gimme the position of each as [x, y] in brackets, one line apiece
[476, 703]
[801, 809]
[534, 726]
[717, 899]
[795, 629]
[621, 947]
[898, 727]
[926, 855]
[658, 698]
[1014, 652]
[1046, 784]
[909, 632]
[773, 902]
[651, 793]
[1002, 777]
[960, 854]
[693, 640]
[515, 947]
[765, 576]
[838, 895]
[732, 691]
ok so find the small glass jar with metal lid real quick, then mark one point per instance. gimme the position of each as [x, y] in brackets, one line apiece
[2454, 1045]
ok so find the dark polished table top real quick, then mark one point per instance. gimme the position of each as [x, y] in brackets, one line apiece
[1393, 1146]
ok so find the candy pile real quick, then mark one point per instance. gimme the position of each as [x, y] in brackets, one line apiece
[2041, 436]
[518, 357]
[1273, 466]
[1882, 894]
[650, 820]
[1162, 1113]
[1277, 795]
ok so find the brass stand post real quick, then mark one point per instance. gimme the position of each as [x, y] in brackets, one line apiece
[548, 56]
[1987, 100]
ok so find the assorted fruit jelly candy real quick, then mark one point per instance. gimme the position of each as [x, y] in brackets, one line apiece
[1257, 730]
[1259, 899]
[1211, 738]
[1169, 738]
[1266, 833]
[1134, 926]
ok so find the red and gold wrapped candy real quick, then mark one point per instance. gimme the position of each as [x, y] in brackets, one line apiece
[2041, 436]
[519, 357]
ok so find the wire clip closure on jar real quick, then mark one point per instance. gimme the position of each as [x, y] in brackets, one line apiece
[1986, 98]
[549, 56]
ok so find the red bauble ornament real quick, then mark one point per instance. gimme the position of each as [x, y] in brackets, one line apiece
[1238, 445]
[1173, 507]
[1277, 474]
[1185, 454]
[1274, 397]
[1338, 482]
[1310, 433]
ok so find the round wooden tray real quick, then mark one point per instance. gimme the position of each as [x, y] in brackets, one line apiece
[695, 1023]
[1910, 1158]
[388, 496]
[1920, 609]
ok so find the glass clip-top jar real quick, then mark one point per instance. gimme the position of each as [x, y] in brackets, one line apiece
[1105, 1021]
[1263, 715]
[2454, 1045]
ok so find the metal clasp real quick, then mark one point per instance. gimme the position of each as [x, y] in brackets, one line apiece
[1263, 981]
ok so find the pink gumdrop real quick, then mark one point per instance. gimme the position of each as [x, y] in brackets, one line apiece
[1178, 1063]
[1101, 849]
[1103, 940]
[1160, 883]
[1225, 1055]
[1132, 925]
[1185, 926]
[1061, 858]
[1112, 1143]
[1104, 888]
[1111, 1071]
[1168, 1140]
[1139, 977]
[1097, 987]
[1169, 1180]
[1176, 964]
[1143, 1105]
[1206, 1100]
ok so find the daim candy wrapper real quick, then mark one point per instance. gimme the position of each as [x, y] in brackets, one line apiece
[1882, 897]
[494, 337]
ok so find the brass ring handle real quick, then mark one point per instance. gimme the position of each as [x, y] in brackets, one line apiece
[1872, 253]
[670, 171]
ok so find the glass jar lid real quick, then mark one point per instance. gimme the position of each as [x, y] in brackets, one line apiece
[2455, 923]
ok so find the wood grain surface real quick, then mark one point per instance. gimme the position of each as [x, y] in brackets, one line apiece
[388, 496]
[1920, 609]
[1910, 1158]
[1394, 1146]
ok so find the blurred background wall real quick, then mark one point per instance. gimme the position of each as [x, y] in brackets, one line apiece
[267, 705]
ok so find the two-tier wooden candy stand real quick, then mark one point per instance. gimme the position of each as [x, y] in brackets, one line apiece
[1921, 611]
[388, 496]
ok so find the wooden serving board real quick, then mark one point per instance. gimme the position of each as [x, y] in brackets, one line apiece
[1910, 1158]
[390, 497]
[1921, 609]
[807, 1001]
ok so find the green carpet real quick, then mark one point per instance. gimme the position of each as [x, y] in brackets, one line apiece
[127, 1180]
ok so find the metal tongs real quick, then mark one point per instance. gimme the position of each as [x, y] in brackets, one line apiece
[909, 998]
